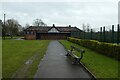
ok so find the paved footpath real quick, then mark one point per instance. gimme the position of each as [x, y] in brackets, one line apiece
[56, 65]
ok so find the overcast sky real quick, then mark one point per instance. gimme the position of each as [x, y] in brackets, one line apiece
[96, 13]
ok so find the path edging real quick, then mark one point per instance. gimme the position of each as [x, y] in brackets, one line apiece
[93, 76]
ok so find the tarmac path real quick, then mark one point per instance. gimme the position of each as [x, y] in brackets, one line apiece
[56, 65]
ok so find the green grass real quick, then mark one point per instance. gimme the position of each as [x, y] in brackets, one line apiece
[17, 52]
[101, 66]
[0, 59]
[14, 37]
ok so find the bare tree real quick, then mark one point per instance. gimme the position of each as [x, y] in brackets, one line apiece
[84, 27]
[39, 23]
[26, 25]
[4, 30]
[88, 27]
[12, 27]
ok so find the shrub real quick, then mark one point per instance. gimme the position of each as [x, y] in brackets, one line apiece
[108, 49]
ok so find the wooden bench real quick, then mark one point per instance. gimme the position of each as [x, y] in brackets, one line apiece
[75, 57]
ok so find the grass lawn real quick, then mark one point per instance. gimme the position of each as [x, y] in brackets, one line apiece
[0, 59]
[100, 65]
[14, 37]
[17, 52]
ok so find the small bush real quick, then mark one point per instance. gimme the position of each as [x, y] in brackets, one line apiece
[108, 49]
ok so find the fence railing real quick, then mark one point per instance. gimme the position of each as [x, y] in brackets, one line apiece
[111, 36]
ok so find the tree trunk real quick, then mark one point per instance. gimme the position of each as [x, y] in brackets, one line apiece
[11, 36]
[3, 37]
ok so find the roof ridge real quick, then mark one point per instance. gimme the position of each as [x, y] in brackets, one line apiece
[47, 28]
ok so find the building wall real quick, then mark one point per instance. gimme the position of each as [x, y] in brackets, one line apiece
[52, 36]
[31, 35]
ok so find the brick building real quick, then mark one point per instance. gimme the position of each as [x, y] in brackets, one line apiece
[51, 32]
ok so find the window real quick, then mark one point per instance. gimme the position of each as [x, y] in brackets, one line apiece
[31, 33]
[27, 32]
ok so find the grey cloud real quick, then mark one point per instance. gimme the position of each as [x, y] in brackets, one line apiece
[64, 13]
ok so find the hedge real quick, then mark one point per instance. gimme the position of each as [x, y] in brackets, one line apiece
[108, 49]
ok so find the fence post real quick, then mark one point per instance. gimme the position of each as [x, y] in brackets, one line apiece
[84, 34]
[104, 37]
[118, 34]
[91, 35]
[101, 34]
[112, 38]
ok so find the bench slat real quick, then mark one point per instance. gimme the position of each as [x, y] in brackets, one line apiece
[73, 55]
[77, 49]
[76, 58]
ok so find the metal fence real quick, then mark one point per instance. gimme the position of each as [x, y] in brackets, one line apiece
[111, 36]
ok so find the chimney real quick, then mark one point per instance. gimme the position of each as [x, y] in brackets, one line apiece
[69, 26]
[53, 25]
